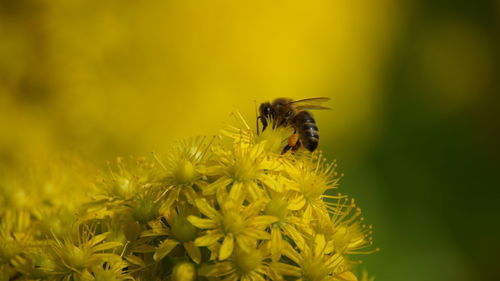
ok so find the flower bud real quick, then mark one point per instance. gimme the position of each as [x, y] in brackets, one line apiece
[184, 271]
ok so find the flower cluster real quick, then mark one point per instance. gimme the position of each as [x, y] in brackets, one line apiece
[224, 208]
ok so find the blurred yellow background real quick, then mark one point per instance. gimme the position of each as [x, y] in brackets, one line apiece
[112, 77]
[413, 124]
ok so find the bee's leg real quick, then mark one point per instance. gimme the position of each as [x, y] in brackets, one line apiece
[285, 149]
[296, 146]
[293, 141]
[257, 123]
[264, 124]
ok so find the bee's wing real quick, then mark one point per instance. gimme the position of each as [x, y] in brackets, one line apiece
[312, 103]
[311, 100]
[311, 106]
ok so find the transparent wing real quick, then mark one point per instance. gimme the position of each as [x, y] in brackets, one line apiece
[311, 106]
[312, 103]
[311, 100]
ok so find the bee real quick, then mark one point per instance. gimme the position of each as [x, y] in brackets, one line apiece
[285, 112]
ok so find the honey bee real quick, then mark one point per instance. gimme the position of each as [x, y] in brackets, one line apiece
[285, 112]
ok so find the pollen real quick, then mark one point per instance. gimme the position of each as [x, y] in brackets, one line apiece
[122, 187]
[232, 222]
[76, 257]
[243, 170]
[243, 167]
[183, 230]
[315, 270]
[185, 172]
[277, 207]
[247, 262]
[145, 209]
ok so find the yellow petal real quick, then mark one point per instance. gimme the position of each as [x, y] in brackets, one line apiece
[271, 183]
[106, 246]
[164, 249]
[218, 184]
[254, 191]
[193, 252]
[172, 196]
[334, 260]
[319, 245]
[275, 243]
[253, 276]
[202, 223]
[260, 221]
[291, 253]
[254, 208]
[98, 238]
[296, 236]
[246, 243]
[236, 191]
[256, 233]
[208, 239]
[227, 247]
[296, 203]
[135, 260]
[286, 269]
[356, 242]
[219, 269]
[347, 276]
[206, 209]
[214, 170]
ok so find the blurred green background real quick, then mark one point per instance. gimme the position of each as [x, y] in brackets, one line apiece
[414, 88]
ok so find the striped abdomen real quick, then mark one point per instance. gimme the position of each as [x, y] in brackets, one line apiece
[307, 130]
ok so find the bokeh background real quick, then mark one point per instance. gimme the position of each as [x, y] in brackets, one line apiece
[414, 88]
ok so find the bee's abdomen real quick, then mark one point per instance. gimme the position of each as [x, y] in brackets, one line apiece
[307, 129]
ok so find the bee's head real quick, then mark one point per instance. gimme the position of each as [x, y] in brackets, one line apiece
[266, 110]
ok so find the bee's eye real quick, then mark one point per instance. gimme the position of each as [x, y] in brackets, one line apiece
[288, 113]
[265, 109]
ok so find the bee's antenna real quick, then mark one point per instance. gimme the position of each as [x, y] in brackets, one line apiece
[257, 116]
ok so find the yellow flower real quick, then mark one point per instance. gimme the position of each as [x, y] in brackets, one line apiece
[243, 169]
[15, 239]
[127, 179]
[285, 226]
[309, 180]
[347, 232]
[146, 206]
[36, 263]
[272, 140]
[232, 223]
[313, 262]
[113, 269]
[184, 168]
[227, 209]
[179, 231]
[252, 265]
[80, 250]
